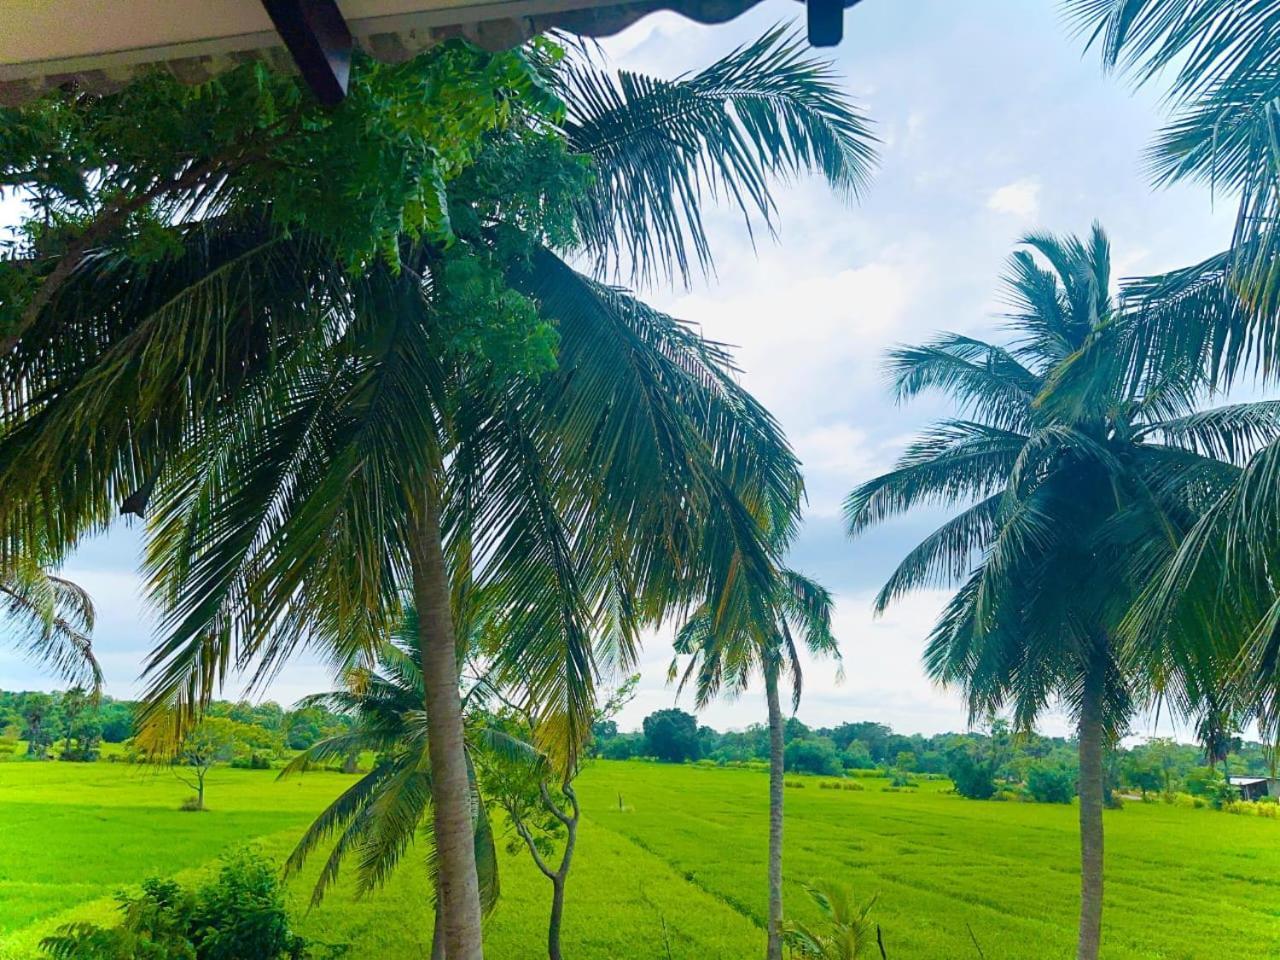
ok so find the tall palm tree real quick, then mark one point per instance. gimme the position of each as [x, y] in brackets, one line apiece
[1222, 60]
[309, 441]
[1076, 490]
[49, 618]
[798, 615]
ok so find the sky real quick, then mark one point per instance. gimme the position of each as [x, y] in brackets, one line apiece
[994, 122]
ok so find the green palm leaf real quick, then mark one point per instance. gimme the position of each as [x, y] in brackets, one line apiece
[661, 148]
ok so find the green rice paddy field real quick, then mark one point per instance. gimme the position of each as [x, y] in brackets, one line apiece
[671, 865]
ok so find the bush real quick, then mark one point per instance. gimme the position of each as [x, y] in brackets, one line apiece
[239, 915]
[1222, 794]
[191, 805]
[252, 761]
[1050, 784]
[1199, 782]
[972, 779]
[900, 778]
[813, 755]
[794, 784]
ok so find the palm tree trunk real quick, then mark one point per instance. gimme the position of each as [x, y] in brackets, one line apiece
[437, 930]
[1091, 792]
[774, 949]
[451, 788]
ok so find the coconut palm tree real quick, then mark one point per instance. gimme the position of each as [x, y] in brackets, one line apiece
[1222, 60]
[309, 440]
[1075, 492]
[798, 615]
[50, 618]
[377, 818]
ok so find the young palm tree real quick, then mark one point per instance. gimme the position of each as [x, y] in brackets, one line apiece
[378, 817]
[798, 615]
[1076, 490]
[308, 441]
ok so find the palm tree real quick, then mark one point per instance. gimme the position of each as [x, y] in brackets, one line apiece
[1223, 61]
[798, 614]
[1223, 58]
[50, 619]
[847, 930]
[1076, 490]
[308, 440]
[377, 818]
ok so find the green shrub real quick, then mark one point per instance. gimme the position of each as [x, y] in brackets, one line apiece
[973, 779]
[239, 915]
[191, 805]
[252, 761]
[813, 755]
[1221, 794]
[1050, 783]
[794, 784]
[851, 786]
[1199, 782]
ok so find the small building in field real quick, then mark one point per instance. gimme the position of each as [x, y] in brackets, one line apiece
[1255, 788]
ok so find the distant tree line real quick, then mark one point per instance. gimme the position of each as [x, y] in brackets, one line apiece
[72, 725]
[983, 764]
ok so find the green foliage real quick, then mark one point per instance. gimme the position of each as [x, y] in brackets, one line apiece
[1221, 794]
[973, 776]
[377, 818]
[1219, 60]
[359, 176]
[856, 756]
[240, 915]
[846, 930]
[671, 735]
[812, 755]
[1202, 781]
[46, 617]
[335, 363]
[1050, 783]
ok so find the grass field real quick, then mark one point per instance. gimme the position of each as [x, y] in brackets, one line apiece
[671, 864]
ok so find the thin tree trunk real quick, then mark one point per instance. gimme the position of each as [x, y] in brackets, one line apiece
[774, 948]
[437, 931]
[559, 876]
[451, 786]
[557, 916]
[1091, 793]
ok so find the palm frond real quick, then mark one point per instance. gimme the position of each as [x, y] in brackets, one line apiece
[661, 148]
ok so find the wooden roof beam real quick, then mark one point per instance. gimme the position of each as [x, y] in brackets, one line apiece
[319, 42]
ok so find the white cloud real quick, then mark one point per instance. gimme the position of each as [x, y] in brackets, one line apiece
[883, 679]
[836, 457]
[1020, 199]
[812, 333]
